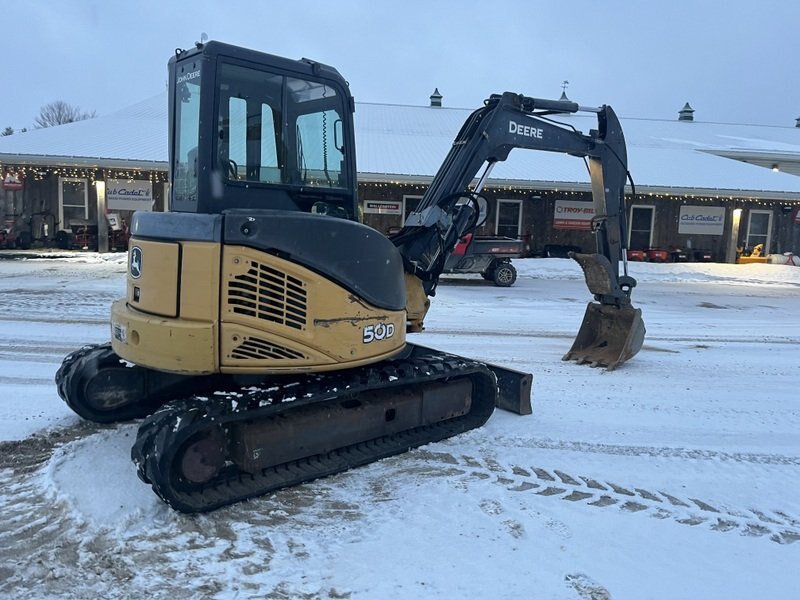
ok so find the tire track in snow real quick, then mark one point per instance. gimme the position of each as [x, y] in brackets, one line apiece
[39, 362]
[654, 452]
[602, 493]
[34, 524]
[21, 350]
[50, 547]
[49, 550]
[55, 306]
[694, 339]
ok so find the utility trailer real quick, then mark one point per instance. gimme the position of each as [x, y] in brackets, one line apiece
[488, 255]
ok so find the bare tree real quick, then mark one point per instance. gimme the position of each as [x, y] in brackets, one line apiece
[58, 113]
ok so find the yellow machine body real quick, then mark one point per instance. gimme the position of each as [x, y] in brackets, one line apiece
[205, 307]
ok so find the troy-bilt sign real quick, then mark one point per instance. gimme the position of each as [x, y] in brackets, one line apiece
[701, 220]
[382, 207]
[122, 194]
[570, 214]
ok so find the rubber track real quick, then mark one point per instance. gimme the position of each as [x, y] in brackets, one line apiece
[162, 435]
[71, 377]
[76, 362]
[80, 366]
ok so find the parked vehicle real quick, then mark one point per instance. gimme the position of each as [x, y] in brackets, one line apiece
[488, 255]
[13, 235]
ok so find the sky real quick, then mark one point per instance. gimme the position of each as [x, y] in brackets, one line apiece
[733, 61]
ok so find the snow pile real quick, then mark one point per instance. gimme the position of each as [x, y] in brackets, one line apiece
[95, 477]
[769, 274]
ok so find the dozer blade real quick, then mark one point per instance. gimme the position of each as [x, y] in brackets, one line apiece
[609, 335]
[513, 387]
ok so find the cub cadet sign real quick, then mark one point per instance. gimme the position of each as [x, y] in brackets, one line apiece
[701, 220]
[122, 194]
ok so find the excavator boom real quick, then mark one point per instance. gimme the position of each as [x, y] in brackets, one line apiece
[612, 330]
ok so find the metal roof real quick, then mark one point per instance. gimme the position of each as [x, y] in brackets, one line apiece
[134, 137]
[407, 143]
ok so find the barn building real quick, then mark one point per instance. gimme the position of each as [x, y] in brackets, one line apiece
[702, 190]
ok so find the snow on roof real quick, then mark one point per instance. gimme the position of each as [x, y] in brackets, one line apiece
[409, 142]
[413, 140]
[135, 135]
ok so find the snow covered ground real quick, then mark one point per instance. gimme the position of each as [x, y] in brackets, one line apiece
[675, 476]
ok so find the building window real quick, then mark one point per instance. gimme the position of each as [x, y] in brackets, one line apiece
[509, 218]
[640, 228]
[759, 226]
[73, 201]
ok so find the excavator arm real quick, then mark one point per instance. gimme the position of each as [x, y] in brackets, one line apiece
[612, 330]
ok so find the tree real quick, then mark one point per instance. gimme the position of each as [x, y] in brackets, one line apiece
[7, 131]
[58, 113]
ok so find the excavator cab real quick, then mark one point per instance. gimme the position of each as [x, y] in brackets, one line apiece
[253, 130]
[260, 266]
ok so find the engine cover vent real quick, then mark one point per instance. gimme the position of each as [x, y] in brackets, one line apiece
[256, 348]
[268, 294]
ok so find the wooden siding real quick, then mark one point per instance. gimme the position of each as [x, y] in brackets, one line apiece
[538, 209]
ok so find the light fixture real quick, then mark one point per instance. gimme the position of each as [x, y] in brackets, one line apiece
[775, 167]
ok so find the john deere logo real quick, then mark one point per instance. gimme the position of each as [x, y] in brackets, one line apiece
[136, 262]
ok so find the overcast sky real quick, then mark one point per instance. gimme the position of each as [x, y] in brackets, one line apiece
[732, 60]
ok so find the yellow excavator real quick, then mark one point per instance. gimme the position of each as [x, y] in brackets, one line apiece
[264, 328]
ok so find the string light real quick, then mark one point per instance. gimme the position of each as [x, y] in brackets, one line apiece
[535, 194]
[36, 173]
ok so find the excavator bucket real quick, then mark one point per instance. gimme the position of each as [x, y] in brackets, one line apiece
[610, 334]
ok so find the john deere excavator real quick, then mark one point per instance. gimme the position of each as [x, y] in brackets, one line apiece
[264, 327]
